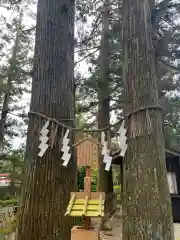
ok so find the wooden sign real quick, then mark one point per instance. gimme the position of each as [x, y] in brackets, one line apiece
[82, 205]
[87, 153]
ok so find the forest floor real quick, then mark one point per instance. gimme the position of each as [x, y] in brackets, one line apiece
[115, 233]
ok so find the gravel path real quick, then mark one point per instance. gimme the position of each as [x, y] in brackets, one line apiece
[177, 231]
[115, 224]
[115, 234]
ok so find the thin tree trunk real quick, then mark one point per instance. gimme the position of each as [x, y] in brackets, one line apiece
[47, 185]
[105, 178]
[146, 200]
[12, 178]
[103, 88]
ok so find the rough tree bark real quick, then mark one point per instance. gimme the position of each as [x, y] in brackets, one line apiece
[103, 88]
[47, 185]
[105, 178]
[146, 200]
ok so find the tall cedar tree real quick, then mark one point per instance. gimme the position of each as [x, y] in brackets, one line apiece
[10, 78]
[105, 178]
[47, 185]
[146, 201]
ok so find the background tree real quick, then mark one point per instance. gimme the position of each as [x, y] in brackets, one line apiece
[15, 69]
[165, 40]
[103, 93]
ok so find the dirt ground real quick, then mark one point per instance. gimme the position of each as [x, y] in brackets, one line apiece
[115, 223]
[115, 234]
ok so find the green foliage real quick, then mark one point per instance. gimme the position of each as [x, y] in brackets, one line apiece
[81, 176]
[166, 39]
[172, 120]
[13, 163]
[9, 202]
[15, 69]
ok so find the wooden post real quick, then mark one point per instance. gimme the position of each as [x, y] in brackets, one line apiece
[87, 191]
[87, 156]
[87, 182]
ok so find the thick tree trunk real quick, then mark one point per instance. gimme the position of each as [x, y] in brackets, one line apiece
[146, 200]
[47, 185]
